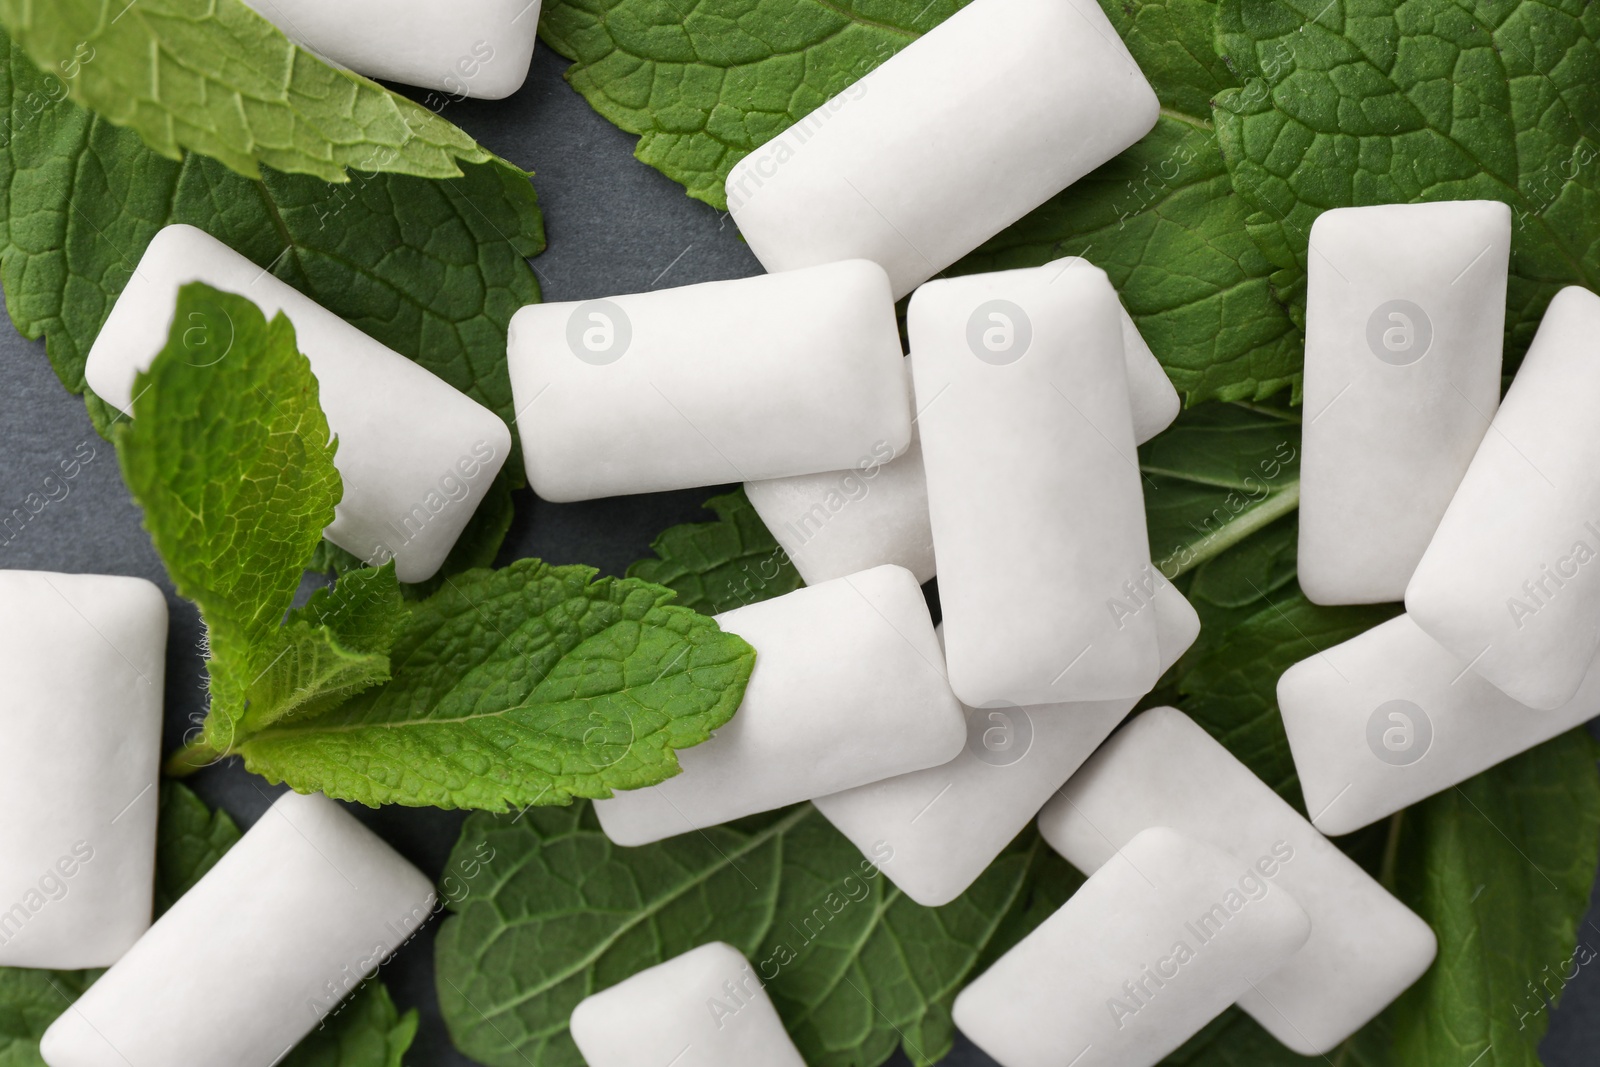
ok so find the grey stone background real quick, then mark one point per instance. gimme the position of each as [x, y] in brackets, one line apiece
[615, 226]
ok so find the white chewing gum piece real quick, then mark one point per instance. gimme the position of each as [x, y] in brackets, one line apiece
[1405, 308]
[1389, 717]
[1163, 770]
[754, 378]
[480, 49]
[83, 662]
[837, 523]
[705, 1008]
[848, 688]
[1159, 941]
[1506, 584]
[1034, 490]
[291, 918]
[1046, 86]
[416, 455]
[946, 824]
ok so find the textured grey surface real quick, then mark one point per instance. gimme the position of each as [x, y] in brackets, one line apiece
[615, 226]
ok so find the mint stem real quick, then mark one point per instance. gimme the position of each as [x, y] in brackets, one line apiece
[190, 758]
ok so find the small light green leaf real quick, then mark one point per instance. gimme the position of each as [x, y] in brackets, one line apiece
[190, 839]
[722, 565]
[332, 648]
[855, 968]
[528, 685]
[214, 77]
[233, 465]
[433, 269]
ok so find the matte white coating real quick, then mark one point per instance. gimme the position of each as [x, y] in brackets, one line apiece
[82, 663]
[416, 455]
[1509, 583]
[1034, 489]
[762, 377]
[1389, 717]
[1405, 305]
[705, 1008]
[1037, 93]
[848, 688]
[480, 48]
[946, 824]
[1163, 770]
[843, 521]
[287, 923]
[1158, 942]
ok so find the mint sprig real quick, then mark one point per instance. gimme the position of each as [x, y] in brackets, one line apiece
[528, 685]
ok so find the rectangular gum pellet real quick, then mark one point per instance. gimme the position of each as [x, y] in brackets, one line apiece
[416, 455]
[848, 688]
[1509, 584]
[481, 49]
[262, 948]
[1159, 941]
[705, 1008]
[1161, 769]
[1036, 92]
[1405, 306]
[944, 825]
[754, 378]
[1034, 488]
[843, 521]
[1362, 715]
[82, 660]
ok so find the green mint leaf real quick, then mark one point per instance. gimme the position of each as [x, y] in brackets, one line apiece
[433, 269]
[722, 565]
[528, 685]
[365, 1031]
[1219, 474]
[218, 79]
[1346, 106]
[190, 839]
[332, 648]
[855, 968]
[232, 462]
[1501, 867]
